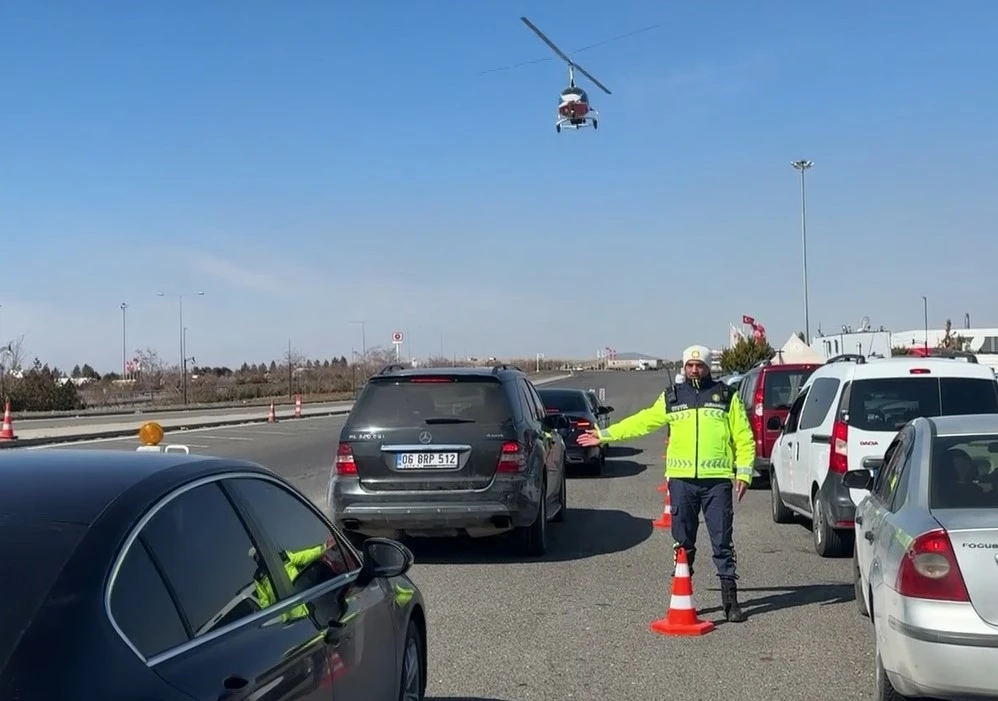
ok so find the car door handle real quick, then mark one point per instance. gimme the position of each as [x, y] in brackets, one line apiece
[859, 520]
[231, 686]
[868, 535]
[336, 633]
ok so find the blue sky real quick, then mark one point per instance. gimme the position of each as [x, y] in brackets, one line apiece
[311, 163]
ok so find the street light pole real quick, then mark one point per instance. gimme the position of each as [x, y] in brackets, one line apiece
[183, 344]
[363, 339]
[925, 321]
[124, 343]
[803, 166]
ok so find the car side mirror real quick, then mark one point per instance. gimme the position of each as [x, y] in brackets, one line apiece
[774, 424]
[858, 479]
[607, 409]
[384, 557]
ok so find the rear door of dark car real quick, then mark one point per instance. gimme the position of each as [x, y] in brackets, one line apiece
[422, 432]
[779, 386]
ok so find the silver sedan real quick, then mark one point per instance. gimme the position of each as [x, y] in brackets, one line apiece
[926, 559]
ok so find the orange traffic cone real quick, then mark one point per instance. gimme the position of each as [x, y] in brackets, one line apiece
[272, 416]
[664, 487]
[297, 406]
[7, 431]
[665, 520]
[681, 618]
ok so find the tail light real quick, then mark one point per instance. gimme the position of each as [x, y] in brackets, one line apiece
[512, 458]
[431, 380]
[582, 423]
[345, 464]
[919, 371]
[757, 399]
[929, 570]
[837, 457]
[550, 411]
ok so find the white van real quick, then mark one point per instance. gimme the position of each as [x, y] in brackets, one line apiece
[845, 416]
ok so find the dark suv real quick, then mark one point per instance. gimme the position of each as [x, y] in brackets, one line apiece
[447, 452]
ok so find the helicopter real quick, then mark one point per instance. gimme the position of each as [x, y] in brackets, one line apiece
[574, 108]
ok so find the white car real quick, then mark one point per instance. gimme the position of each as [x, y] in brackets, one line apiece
[926, 560]
[844, 417]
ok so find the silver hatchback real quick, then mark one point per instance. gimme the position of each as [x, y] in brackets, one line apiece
[926, 559]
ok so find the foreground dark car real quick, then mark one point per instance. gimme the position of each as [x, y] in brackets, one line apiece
[173, 577]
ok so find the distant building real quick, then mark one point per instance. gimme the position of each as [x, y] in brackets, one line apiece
[865, 343]
[633, 361]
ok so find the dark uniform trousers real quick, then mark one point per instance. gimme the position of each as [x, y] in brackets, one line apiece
[714, 498]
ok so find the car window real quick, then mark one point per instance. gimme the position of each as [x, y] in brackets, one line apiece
[820, 397]
[561, 401]
[795, 411]
[300, 536]
[32, 554]
[747, 390]
[411, 401]
[535, 399]
[886, 482]
[781, 387]
[142, 606]
[963, 472]
[593, 401]
[887, 404]
[207, 558]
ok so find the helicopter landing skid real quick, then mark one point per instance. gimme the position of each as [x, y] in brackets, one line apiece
[590, 120]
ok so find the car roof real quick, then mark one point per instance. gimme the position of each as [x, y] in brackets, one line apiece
[562, 390]
[787, 367]
[986, 424]
[901, 366]
[390, 371]
[75, 486]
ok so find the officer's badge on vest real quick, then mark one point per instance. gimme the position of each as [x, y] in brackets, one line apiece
[715, 397]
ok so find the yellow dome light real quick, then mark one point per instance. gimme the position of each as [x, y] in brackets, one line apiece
[151, 433]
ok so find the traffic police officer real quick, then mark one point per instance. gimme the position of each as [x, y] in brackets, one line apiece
[710, 457]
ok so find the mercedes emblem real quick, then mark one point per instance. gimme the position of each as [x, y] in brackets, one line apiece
[425, 437]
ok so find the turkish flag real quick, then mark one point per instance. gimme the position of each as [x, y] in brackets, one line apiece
[747, 319]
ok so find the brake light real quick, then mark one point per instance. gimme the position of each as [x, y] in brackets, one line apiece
[345, 464]
[920, 371]
[837, 458]
[757, 399]
[431, 380]
[512, 459]
[929, 570]
[551, 411]
[581, 423]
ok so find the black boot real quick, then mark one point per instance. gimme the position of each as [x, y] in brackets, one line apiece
[729, 602]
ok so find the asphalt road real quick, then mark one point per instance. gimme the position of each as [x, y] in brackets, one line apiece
[575, 625]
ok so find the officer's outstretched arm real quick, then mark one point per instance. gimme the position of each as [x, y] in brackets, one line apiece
[637, 425]
[303, 558]
[744, 440]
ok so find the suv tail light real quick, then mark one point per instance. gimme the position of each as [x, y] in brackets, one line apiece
[345, 464]
[757, 399]
[512, 458]
[929, 570]
[837, 457]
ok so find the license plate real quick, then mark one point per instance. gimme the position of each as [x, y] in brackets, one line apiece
[426, 461]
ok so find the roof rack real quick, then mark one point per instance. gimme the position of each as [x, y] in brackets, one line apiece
[953, 355]
[391, 368]
[499, 368]
[847, 358]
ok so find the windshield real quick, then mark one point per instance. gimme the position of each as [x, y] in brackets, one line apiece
[31, 557]
[782, 387]
[887, 404]
[409, 402]
[564, 402]
[964, 472]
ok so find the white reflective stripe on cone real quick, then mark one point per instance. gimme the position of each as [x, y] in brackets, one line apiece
[682, 603]
[682, 570]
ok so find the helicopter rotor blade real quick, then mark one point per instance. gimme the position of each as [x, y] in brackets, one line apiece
[541, 35]
[595, 82]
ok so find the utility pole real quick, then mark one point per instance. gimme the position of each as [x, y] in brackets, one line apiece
[925, 321]
[291, 391]
[183, 342]
[124, 344]
[803, 166]
[363, 340]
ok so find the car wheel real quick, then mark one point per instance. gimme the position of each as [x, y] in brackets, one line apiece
[858, 586]
[413, 683]
[885, 690]
[828, 541]
[533, 539]
[562, 499]
[781, 514]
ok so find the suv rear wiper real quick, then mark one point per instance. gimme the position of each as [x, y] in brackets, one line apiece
[448, 420]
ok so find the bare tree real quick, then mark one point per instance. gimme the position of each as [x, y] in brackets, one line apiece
[15, 348]
[151, 367]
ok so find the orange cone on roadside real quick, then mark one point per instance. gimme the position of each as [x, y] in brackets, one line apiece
[681, 618]
[665, 520]
[7, 431]
[272, 416]
[297, 406]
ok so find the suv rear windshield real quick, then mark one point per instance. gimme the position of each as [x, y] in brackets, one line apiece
[888, 404]
[31, 557]
[410, 401]
[964, 472]
[565, 402]
[781, 387]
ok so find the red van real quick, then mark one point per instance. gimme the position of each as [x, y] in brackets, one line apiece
[767, 391]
